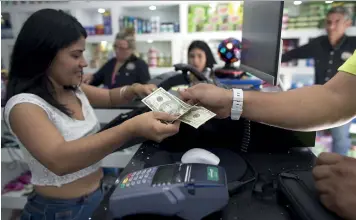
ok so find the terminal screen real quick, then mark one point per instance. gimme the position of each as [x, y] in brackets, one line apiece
[165, 174]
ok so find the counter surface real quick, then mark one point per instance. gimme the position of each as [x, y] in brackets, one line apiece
[242, 206]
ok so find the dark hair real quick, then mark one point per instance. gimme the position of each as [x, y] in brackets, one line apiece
[210, 60]
[339, 10]
[43, 34]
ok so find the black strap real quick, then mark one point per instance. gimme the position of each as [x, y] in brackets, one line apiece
[265, 187]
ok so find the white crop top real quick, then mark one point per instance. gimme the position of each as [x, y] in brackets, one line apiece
[70, 128]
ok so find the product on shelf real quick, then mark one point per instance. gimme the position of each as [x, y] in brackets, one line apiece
[155, 58]
[155, 24]
[215, 17]
[290, 44]
[285, 19]
[152, 57]
[98, 54]
[145, 26]
[101, 29]
[312, 14]
[28, 2]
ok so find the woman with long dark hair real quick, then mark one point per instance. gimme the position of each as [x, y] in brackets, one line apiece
[201, 57]
[51, 115]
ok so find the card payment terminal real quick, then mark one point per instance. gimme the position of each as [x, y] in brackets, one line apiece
[189, 191]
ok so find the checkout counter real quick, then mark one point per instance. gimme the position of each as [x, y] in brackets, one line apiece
[246, 149]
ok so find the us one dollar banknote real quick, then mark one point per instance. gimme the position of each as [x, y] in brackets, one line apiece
[162, 101]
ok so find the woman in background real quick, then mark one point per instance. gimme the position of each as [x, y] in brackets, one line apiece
[125, 68]
[201, 57]
[52, 118]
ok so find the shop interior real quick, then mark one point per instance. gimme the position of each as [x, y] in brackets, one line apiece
[163, 33]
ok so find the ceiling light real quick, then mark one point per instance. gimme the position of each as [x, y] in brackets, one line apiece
[101, 10]
[328, 2]
[152, 7]
[297, 2]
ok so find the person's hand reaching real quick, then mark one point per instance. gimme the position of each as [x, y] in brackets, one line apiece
[335, 179]
[142, 90]
[217, 100]
[153, 126]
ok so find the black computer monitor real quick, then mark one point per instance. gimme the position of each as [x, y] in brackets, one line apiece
[261, 39]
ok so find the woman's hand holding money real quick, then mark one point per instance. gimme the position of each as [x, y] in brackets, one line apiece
[151, 125]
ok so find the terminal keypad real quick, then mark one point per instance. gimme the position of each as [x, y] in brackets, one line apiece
[141, 177]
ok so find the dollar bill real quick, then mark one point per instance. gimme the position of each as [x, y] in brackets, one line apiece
[160, 100]
[197, 116]
[163, 101]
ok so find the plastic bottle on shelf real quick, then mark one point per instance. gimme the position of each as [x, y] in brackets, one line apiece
[107, 18]
[121, 23]
[168, 60]
[148, 26]
[161, 62]
[155, 24]
[152, 57]
[163, 28]
[99, 29]
[139, 26]
[107, 23]
[176, 27]
[135, 24]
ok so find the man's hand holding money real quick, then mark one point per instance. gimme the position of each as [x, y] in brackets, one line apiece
[162, 101]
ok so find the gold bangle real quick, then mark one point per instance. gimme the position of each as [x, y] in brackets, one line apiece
[122, 91]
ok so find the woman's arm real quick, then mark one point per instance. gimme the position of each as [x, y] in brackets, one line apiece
[109, 98]
[31, 125]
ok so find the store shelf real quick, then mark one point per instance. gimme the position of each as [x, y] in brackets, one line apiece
[157, 37]
[298, 33]
[100, 38]
[207, 36]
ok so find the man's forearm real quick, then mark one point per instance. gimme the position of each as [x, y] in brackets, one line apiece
[304, 109]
